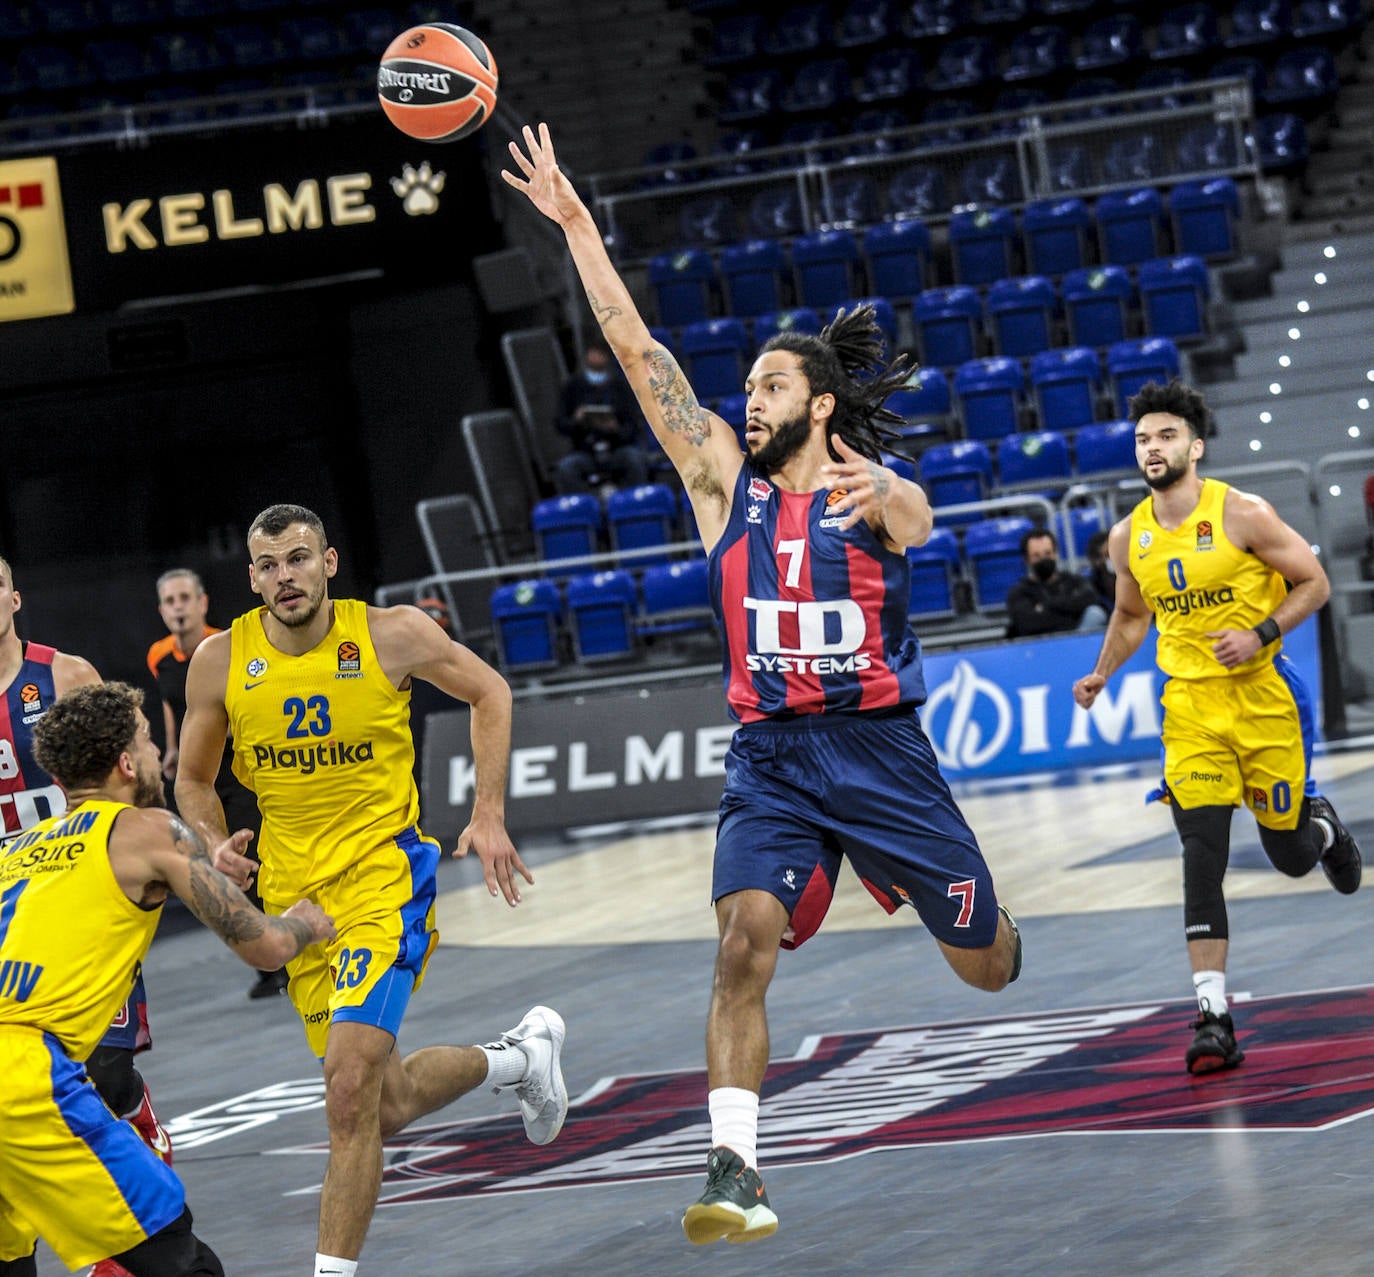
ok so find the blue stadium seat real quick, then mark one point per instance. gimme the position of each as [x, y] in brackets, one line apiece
[1185, 31]
[1281, 140]
[964, 63]
[947, 323]
[997, 13]
[1137, 157]
[18, 20]
[1130, 225]
[1038, 52]
[957, 473]
[707, 219]
[50, 69]
[733, 149]
[671, 164]
[119, 62]
[1025, 101]
[1133, 363]
[796, 319]
[525, 616]
[1071, 168]
[566, 528]
[1259, 22]
[851, 199]
[715, 350]
[929, 18]
[1039, 457]
[991, 179]
[1020, 315]
[889, 75]
[1321, 19]
[734, 411]
[900, 465]
[1097, 301]
[1065, 383]
[751, 95]
[1205, 215]
[990, 392]
[601, 612]
[1055, 233]
[682, 280]
[1078, 525]
[992, 549]
[642, 516]
[826, 264]
[863, 22]
[924, 397]
[917, 191]
[1248, 68]
[1161, 79]
[807, 140]
[735, 38]
[1173, 296]
[948, 111]
[898, 255]
[1301, 78]
[1104, 446]
[822, 85]
[934, 569]
[800, 29]
[187, 53]
[1090, 90]
[776, 211]
[1205, 148]
[754, 273]
[128, 13]
[676, 597]
[69, 17]
[1116, 40]
[871, 129]
[981, 243]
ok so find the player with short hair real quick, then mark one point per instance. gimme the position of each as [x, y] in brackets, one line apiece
[32, 677]
[80, 898]
[1209, 563]
[805, 537]
[315, 693]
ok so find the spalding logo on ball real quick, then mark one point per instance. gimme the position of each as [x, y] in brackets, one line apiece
[437, 82]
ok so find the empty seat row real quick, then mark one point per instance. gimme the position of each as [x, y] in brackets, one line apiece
[642, 517]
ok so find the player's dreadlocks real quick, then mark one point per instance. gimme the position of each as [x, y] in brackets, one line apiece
[846, 361]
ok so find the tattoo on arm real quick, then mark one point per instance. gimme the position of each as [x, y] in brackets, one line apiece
[682, 414]
[603, 313]
[881, 480]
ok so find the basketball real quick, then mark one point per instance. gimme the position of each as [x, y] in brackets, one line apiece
[437, 82]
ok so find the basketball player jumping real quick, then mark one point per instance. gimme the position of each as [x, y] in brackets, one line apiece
[315, 693]
[1209, 563]
[805, 537]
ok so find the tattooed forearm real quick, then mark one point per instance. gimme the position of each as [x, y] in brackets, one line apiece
[187, 841]
[682, 414]
[603, 313]
[222, 907]
[881, 479]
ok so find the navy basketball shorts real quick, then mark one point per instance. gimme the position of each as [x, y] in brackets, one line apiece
[803, 794]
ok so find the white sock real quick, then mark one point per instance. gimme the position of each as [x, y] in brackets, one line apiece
[1211, 991]
[506, 1064]
[333, 1266]
[735, 1121]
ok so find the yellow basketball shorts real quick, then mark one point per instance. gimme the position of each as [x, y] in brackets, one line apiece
[1243, 741]
[70, 1171]
[383, 911]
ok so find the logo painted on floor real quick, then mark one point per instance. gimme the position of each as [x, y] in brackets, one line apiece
[1309, 1065]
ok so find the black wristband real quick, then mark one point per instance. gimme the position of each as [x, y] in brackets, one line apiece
[1268, 631]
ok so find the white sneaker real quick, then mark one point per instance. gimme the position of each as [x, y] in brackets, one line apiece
[543, 1096]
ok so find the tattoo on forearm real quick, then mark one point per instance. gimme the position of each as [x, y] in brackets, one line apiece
[682, 414]
[881, 480]
[223, 907]
[187, 841]
[603, 313]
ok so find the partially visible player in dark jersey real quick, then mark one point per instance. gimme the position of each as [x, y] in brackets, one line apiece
[806, 539]
[183, 605]
[32, 677]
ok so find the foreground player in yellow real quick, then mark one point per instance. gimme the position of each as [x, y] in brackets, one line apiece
[80, 898]
[316, 695]
[1209, 563]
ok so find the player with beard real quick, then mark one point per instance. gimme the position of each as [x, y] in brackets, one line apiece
[315, 693]
[805, 538]
[80, 898]
[1209, 563]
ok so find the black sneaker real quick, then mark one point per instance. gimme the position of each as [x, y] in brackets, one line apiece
[1016, 931]
[1214, 1045]
[1340, 862]
[269, 984]
[734, 1205]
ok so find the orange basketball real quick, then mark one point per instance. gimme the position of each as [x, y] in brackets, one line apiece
[437, 82]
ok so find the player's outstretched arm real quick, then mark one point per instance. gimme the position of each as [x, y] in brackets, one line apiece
[171, 852]
[1130, 620]
[895, 508]
[700, 445]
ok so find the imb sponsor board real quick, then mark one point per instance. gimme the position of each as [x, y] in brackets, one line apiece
[35, 275]
[1004, 710]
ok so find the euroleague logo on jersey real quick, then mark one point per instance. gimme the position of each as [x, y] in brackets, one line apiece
[31, 701]
[350, 661]
[1204, 534]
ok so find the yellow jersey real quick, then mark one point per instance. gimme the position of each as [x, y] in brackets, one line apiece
[71, 942]
[1195, 580]
[323, 740]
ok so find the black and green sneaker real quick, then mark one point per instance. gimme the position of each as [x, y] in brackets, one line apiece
[1214, 1045]
[734, 1205]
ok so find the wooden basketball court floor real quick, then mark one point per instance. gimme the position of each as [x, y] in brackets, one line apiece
[911, 1124]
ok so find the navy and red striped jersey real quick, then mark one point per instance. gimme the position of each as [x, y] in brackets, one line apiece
[27, 793]
[814, 618]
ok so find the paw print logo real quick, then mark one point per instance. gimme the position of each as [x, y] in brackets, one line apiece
[418, 189]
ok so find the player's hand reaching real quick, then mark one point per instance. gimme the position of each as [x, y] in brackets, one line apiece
[548, 190]
[487, 836]
[866, 485]
[320, 923]
[228, 857]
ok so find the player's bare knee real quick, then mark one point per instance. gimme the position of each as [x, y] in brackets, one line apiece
[352, 1096]
[743, 961]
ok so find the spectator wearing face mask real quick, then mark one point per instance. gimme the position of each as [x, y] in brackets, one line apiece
[1046, 600]
[597, 413]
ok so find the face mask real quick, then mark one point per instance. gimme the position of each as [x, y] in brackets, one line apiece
[598, 376]
[1045, 568]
